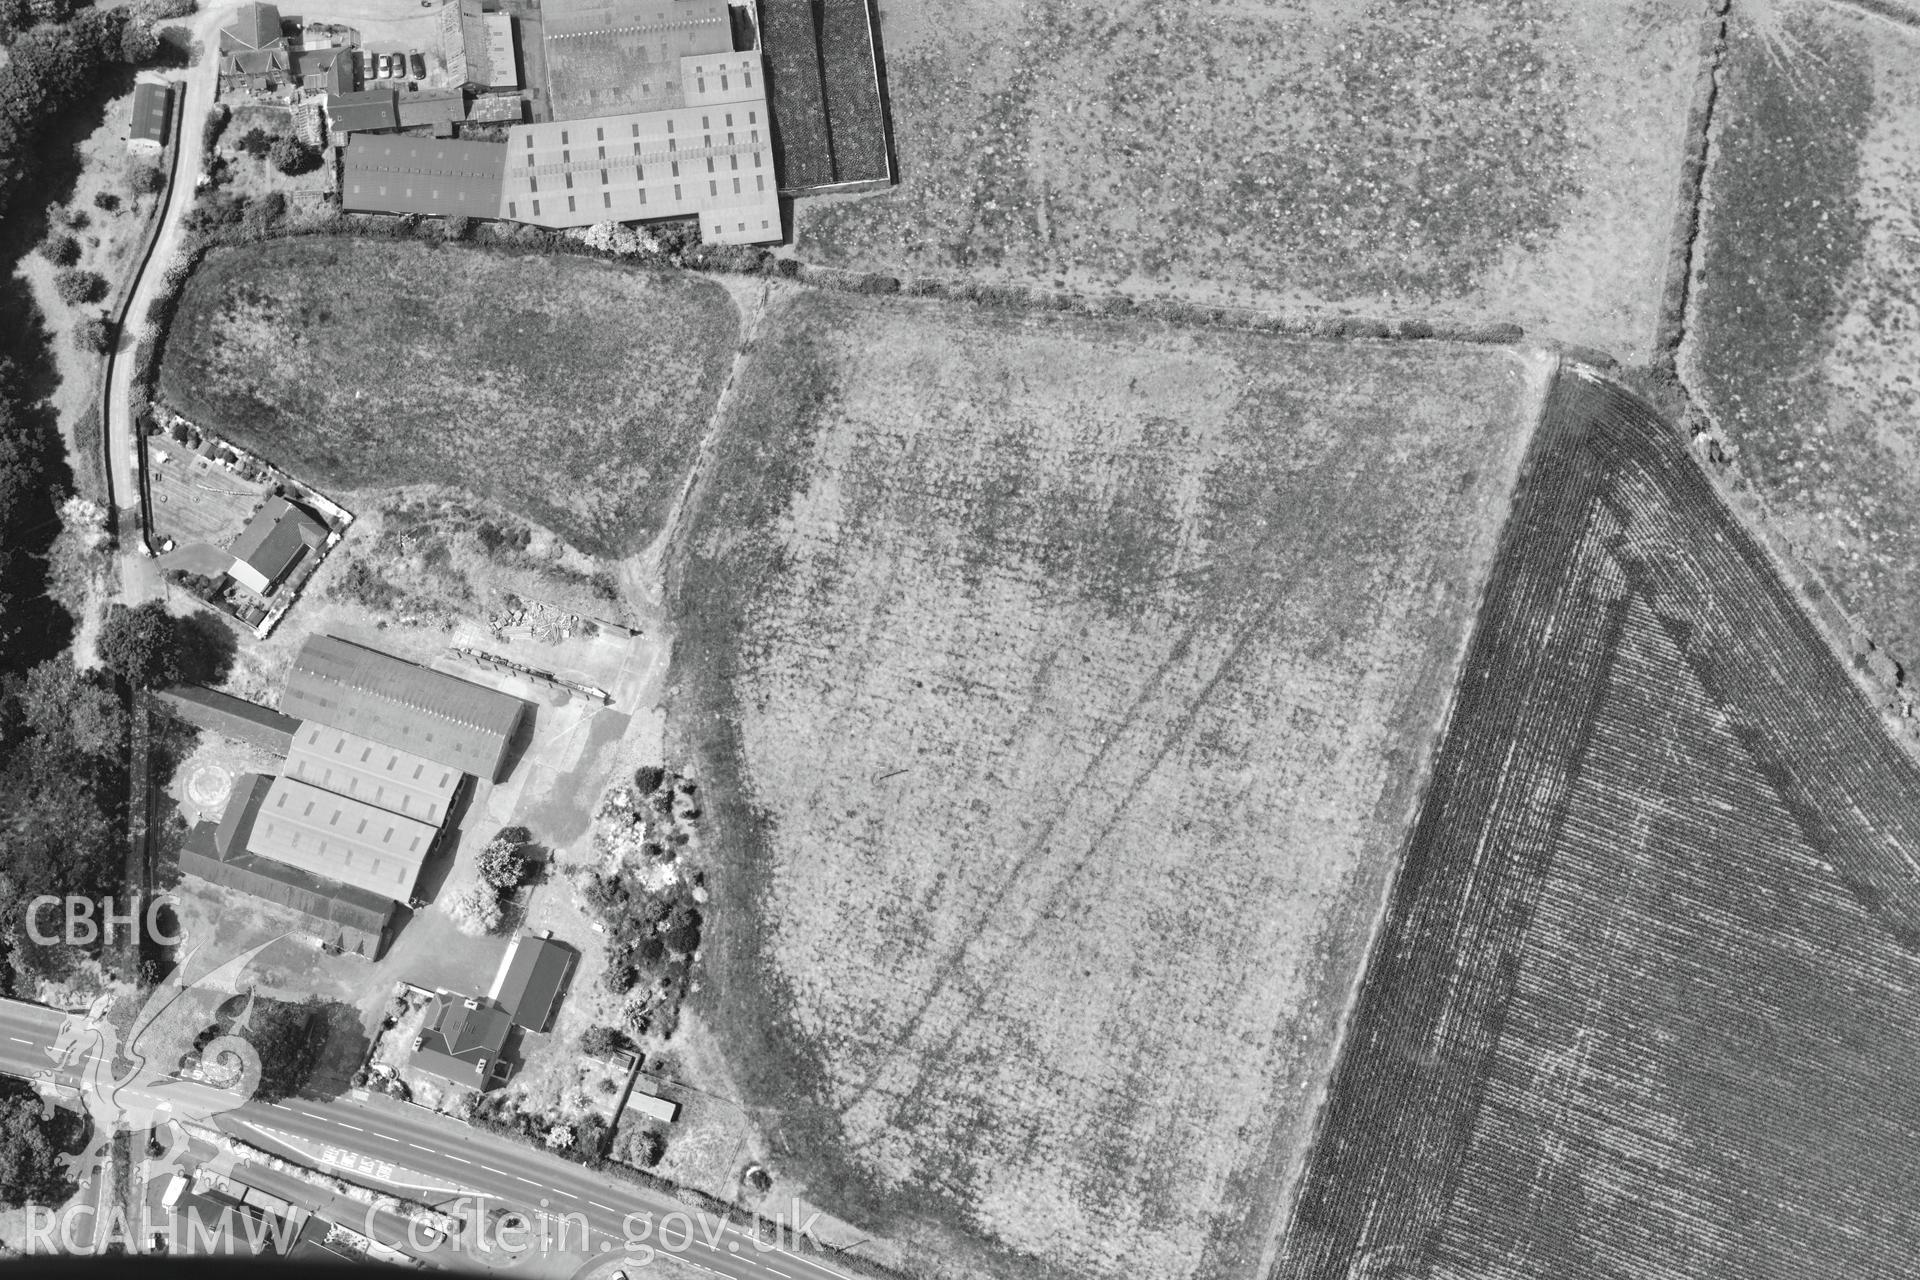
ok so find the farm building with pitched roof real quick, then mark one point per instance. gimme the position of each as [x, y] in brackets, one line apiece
[531, 977]
[229, 716]
[477, 45]
[372, 772]
[327, 834]
[423, 175]
[390, 700]
[368, 111]
[152, 116]
[356, 921]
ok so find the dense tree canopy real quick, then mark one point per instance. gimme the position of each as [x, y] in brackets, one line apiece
[30, 1148]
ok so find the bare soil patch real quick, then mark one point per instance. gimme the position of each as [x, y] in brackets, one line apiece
[1061, 690]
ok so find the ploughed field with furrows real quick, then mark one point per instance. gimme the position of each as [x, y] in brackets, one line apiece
[1063, 688]
[1647, 996]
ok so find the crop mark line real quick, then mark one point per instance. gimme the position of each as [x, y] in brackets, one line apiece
[949, 968]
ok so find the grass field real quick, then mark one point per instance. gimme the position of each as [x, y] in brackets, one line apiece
[1647, 986]
[1806, 335]
[1061, 691]
[570, 391]
[1512, 160]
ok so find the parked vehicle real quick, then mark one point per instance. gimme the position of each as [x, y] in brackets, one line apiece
[369, 65]
[387, 69]
[417, 63]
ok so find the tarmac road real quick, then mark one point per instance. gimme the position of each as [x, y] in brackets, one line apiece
[616, 1213]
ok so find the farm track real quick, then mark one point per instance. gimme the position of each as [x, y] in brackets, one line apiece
[1602, 962]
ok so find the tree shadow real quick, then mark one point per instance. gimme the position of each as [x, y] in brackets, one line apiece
[207, 647]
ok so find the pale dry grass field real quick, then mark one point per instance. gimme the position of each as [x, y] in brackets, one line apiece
[1507, 160]
[1062, 691]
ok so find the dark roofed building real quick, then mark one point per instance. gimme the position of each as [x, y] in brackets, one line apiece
[463, 1042]
[357, 922]
[417, 709]
[152, 116]
[230, 717]
[421, 175]
[532, 975]
[369, 111]
[823, 93]
[432, 106]
[256, 26]
[273, 543]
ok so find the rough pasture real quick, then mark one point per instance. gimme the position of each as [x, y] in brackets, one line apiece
[1647, 987]
[1062, 690]
[570, 391]
[1806, 336]
[1508, 160]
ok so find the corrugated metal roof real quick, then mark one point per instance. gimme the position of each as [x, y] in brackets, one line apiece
[390, 700]
[382, 776]
[346, 840]
[230, 716]
[152, 113]
[423, 175]
[531, 975]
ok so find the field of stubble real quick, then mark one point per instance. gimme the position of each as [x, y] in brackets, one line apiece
[1062, 691]
[1504, 160]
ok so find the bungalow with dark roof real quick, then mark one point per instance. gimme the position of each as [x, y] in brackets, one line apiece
[272, 544]
[463, 1042]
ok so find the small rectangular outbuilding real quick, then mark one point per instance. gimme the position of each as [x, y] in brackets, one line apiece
[152, 117]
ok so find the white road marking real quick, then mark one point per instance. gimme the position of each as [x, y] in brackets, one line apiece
[609, 1208]
[490, 1169]
[458, 1158]
[777, 1271]
[389, 1137]
[18, 1040]
[529, 1181]
[557, 1191]
[344, 1125]
[417, 1147]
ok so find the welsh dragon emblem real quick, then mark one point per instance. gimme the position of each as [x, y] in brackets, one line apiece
[122, 1091]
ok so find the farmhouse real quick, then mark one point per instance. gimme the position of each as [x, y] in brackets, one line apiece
[272, 544]
[152, 115]
[468, 1040]
[376, 696]
[476, 42]
[324, 71]
[464, 1042]
[712, 158]
[256, 27]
